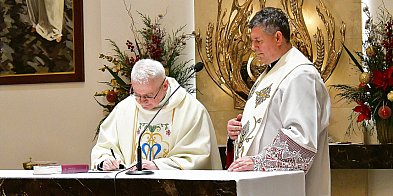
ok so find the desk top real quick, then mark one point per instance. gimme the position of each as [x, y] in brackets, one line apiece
[187, 181]
[158, 174]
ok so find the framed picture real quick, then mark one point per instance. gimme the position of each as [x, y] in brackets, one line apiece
[41, 41]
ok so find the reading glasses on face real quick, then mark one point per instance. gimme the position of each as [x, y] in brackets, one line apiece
[140, 97]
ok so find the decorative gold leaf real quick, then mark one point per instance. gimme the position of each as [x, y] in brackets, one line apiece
[228, 57]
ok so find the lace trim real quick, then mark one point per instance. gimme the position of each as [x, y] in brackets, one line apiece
[283, 154]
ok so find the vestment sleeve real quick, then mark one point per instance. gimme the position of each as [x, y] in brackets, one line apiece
[195, 145]
[295, 145]
[107, 139]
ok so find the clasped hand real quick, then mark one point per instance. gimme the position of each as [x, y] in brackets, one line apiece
[234, 127]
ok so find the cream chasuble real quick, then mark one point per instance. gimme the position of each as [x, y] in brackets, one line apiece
[256, 108]
[180, 137]
[155, 141]
[285, 122]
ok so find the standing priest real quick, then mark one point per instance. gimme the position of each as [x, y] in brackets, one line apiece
[284, 122]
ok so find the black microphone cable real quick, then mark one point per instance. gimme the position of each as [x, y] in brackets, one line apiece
[198, 67]
[117, 173]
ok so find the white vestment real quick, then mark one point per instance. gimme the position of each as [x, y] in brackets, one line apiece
[285, 122]
[182, 135]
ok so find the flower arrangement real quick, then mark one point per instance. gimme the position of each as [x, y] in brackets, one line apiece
[152, 41]
[374, 94]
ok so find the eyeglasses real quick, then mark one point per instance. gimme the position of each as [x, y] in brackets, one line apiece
[140, 97]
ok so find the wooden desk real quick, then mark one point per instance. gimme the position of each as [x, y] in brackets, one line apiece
[162, 182]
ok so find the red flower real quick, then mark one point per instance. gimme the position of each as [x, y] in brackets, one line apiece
[383, 80]
[364, 110]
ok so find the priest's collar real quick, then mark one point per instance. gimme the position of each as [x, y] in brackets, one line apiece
[271, 65]
[274, 63]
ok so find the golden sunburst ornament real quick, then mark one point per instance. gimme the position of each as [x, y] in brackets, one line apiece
[230, 62]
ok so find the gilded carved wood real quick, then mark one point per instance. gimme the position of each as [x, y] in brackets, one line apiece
[232, 65]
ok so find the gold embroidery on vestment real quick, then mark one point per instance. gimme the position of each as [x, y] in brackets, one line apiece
[262, 95]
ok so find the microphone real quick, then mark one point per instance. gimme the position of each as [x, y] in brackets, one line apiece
[197, 67]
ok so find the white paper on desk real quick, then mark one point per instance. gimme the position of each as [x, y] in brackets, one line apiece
[45, 170]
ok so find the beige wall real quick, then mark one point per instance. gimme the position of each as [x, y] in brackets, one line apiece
[57, 121]
[220, 105]
[53, 121]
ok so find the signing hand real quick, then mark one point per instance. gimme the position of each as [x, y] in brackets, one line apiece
[110, 163]
[242, 164]
[234, 127]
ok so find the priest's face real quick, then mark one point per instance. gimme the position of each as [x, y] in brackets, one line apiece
[150, 95]
[265, 45]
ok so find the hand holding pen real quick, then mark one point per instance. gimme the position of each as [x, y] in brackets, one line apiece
[111, 163]
[113, 153]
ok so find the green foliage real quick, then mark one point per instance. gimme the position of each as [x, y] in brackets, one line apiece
[375, 90]
[152, 42]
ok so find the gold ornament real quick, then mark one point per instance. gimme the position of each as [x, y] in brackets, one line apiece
[225, 49]
[365, 77]
[390, 96]
[370, 51]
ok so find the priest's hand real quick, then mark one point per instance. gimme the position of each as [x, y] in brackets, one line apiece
[234, 127]
[147, 165]
[242, 164]
[110, 163]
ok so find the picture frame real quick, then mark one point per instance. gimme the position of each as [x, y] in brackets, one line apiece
[67, 61]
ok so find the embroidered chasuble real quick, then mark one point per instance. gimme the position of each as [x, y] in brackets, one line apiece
[180, 137]
[284, 123]
[230, 146]
[155, 142]
[256, 107]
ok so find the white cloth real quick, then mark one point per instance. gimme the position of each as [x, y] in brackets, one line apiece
[182, 135]
[285, 122]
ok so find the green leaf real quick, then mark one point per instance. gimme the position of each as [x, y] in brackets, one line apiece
[353, 59]
[117, 78]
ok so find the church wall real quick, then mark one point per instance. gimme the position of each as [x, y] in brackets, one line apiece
[220, 105]
[57, 121]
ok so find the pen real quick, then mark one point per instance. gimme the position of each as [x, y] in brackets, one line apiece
[113, 154]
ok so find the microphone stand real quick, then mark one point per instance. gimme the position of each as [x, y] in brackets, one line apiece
[139, 171]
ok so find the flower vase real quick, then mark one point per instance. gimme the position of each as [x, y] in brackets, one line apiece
[366, 138]
[369, 135]
[384, 130]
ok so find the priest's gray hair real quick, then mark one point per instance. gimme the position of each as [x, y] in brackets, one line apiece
[271, 20]
[147, 69]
